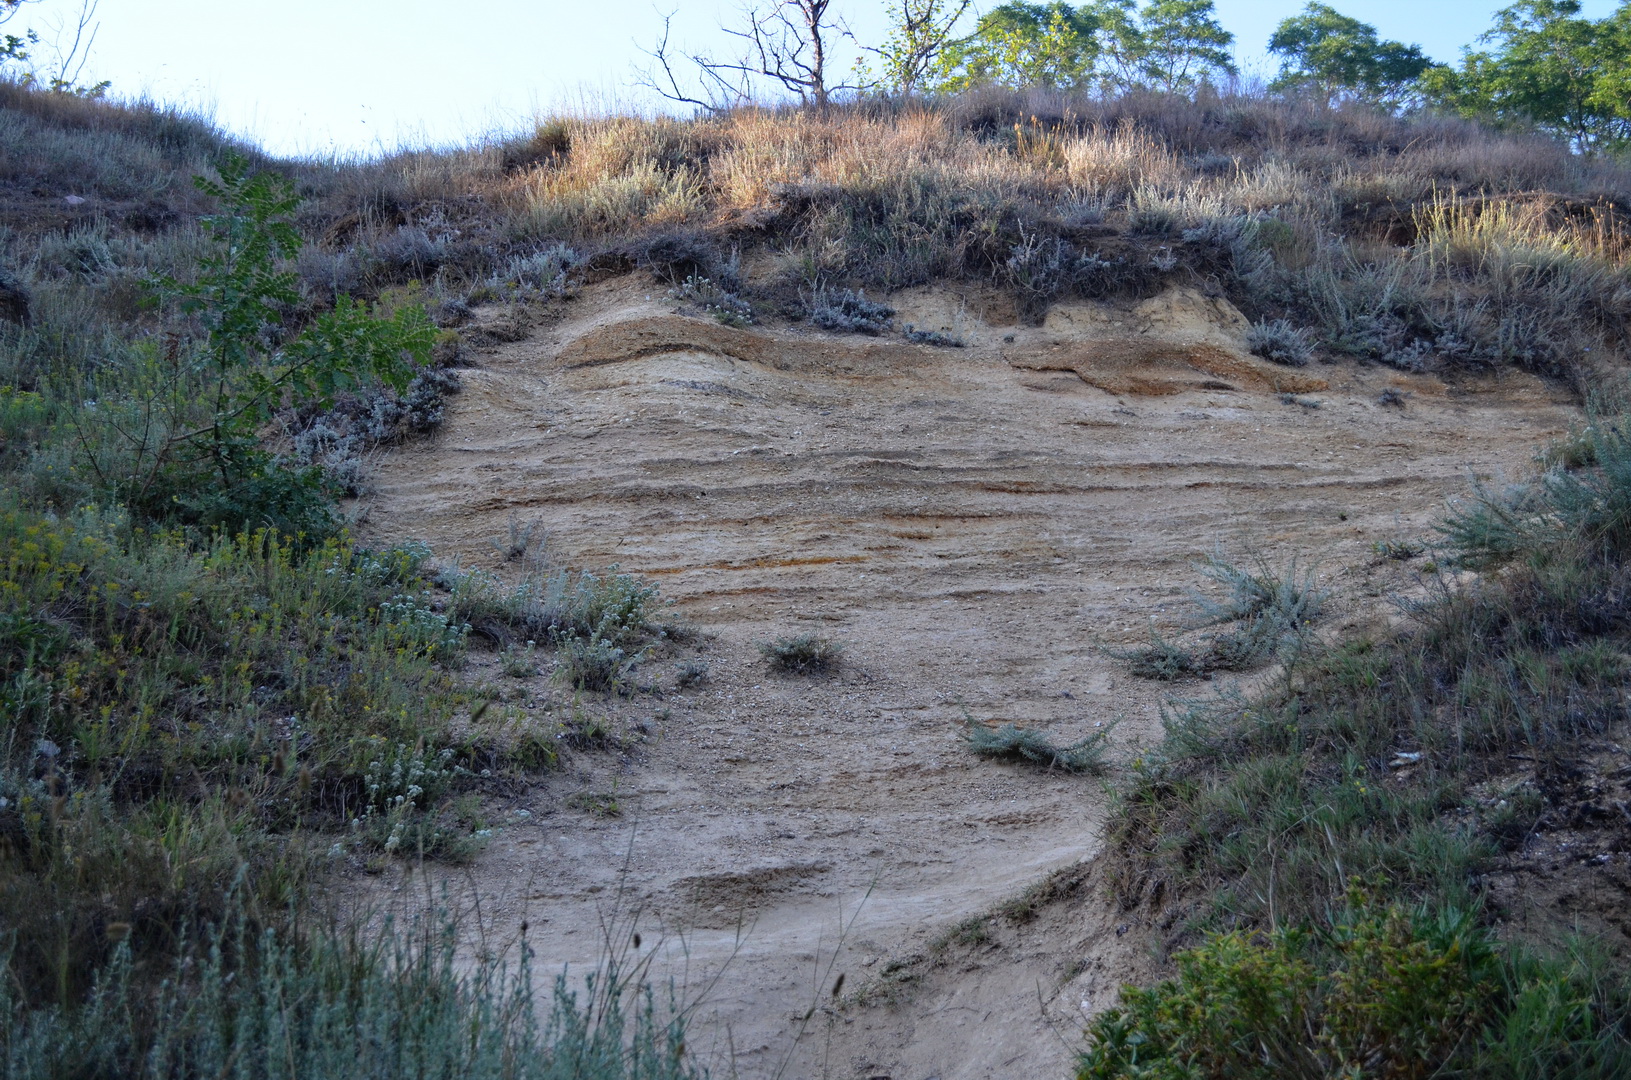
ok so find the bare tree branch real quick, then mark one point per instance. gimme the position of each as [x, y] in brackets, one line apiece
[661, 78]
[71, 46]
[787, 44]
[8, 8]
[80, 51]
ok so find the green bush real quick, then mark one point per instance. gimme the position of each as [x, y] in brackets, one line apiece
[172, 711]
[1365, 760]
[1583, 502]
[1380, 992]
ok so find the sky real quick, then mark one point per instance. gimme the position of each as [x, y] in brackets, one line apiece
[362, 77]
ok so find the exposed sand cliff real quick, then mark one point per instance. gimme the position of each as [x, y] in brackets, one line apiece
[976, 525]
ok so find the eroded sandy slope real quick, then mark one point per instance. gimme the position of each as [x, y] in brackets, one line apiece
[975, 524]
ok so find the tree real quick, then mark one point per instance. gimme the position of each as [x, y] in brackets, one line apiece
[1121, 44]
[1180, 42]
[70, 43]
[919, 35]
[1544, 65]
[785, 44]
[1611, 97]
[190, 448]
[1018, 44]
[14, 46]
[1336, 56]
[1169, 45]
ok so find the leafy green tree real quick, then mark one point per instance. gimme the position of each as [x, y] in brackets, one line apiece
[1543, 64]
[920, 32]
[14, 46]
[1170, 45]
[1611, 96]
[1336, 56]
[1052, 45]
[1121, 44]
[239, 298]
[1179, 43]
[190, 450]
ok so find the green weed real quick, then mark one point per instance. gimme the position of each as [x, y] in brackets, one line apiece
[550, 603]
[595, 662]
[689, 673]
[519, 663]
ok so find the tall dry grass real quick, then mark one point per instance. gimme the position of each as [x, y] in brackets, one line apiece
[1343, 220]
[1420, 242]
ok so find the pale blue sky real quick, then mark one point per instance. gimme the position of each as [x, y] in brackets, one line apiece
[312, 76]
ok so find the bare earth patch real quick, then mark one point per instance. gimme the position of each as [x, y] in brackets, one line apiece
[975, 525]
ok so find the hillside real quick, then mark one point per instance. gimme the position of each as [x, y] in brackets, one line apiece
[998, 395]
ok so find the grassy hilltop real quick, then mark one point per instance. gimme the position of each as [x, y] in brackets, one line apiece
[211, 696]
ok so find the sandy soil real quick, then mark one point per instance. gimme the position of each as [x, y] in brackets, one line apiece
[975, 525]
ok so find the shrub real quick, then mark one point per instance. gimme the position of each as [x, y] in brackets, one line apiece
[1280, 342]
[1398, 550]
[802, 654]
[328, 275]
[594, 662]
[171, 700]
[725, 307]
[1274, 605]
[539, 275]
[520, 538]
[1158, 221]
[931, 337]
[1587, 509]
[183, 442]
[1162, 660]
[336, 441]
[676, 256]
[408, 621]
[402, 789]
[408, 253]
[551, 602]
[1039, 268]
[519, 663]
[1523, 662]
[1382, 991]
[850, 312]
[1013, 743]
[1270, 613]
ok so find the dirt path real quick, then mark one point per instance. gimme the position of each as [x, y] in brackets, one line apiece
[975, 525]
